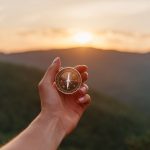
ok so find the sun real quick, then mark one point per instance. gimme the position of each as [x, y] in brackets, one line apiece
[83, 38]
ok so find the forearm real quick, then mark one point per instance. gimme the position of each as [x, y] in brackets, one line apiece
[44, 133]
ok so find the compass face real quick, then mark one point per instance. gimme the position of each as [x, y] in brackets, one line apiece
[68, 80]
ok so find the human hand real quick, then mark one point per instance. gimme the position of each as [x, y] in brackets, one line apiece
[67, 108]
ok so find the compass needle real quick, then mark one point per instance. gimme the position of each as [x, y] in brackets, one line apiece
[72, 80]
[68, 80]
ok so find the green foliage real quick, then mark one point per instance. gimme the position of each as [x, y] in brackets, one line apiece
[19, 101]
[106, 125]
[139, 142]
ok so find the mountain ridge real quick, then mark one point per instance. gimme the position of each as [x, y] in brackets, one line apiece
[124, 76]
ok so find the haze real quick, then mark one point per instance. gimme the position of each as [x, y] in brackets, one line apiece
[44, 24]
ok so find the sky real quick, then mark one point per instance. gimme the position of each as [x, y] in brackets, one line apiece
[122, 25]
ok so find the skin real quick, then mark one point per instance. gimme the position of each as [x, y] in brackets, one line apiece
[59, 114]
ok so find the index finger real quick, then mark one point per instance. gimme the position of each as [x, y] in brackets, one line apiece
[81, 68]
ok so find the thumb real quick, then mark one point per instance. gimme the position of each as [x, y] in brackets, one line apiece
[52, 70]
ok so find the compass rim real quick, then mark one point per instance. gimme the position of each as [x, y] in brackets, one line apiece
[79, 85]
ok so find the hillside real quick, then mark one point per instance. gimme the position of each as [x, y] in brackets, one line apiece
[124, 76]
[106, 125]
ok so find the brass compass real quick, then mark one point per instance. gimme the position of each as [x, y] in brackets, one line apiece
[68, 80]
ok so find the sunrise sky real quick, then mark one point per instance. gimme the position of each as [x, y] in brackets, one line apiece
[42, 24]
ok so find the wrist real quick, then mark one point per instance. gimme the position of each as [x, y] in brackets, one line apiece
[61, 118]
[50, 128]
[50, 118]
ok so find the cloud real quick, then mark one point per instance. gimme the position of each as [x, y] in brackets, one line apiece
[27, 39]
[43, 32]
[47, 22]
[125, 41]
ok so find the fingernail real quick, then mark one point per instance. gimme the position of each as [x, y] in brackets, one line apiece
[56, 60]
[81, 99]
[86, 86]
[85, 66]
[83, 89]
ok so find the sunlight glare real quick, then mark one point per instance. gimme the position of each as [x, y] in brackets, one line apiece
[83, 37]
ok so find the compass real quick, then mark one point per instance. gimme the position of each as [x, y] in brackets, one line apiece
[68, 80]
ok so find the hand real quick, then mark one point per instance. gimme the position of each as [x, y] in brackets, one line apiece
[68, 108]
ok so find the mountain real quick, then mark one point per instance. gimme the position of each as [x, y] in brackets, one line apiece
[107, 124]
[124, 76]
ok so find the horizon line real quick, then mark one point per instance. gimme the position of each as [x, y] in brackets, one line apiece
[70, 48]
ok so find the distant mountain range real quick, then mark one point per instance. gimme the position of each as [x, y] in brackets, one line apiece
[125, 76]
